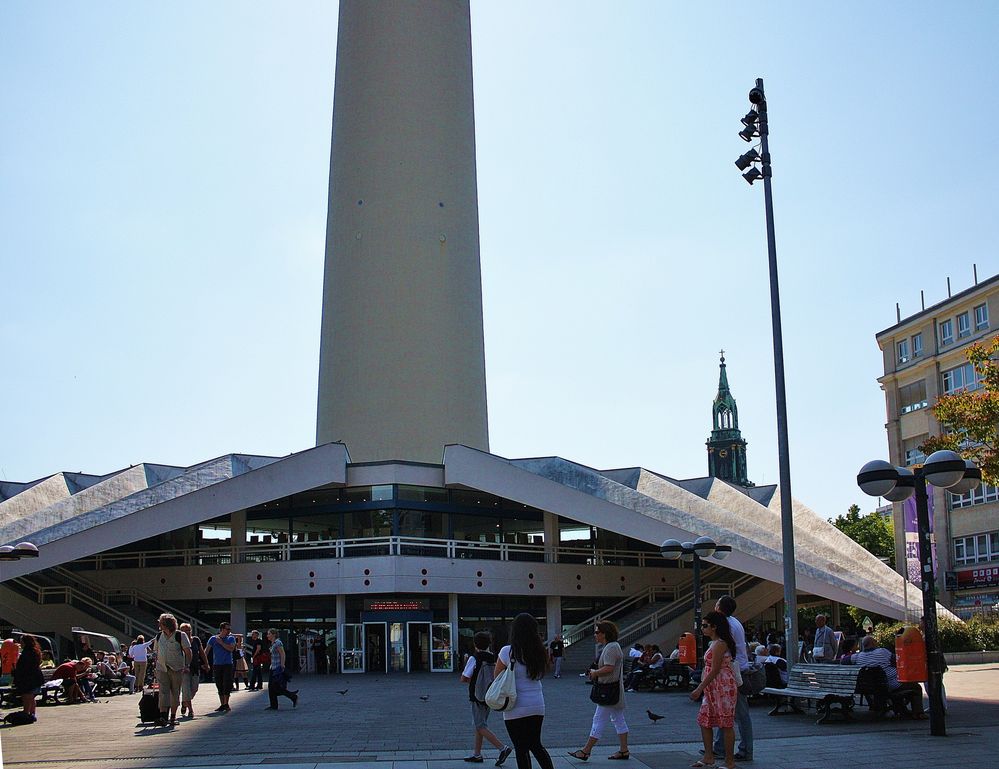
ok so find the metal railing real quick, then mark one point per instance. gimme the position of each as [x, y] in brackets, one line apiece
[368, 547]
[582, 630]
[681, 606]
[80, 600]
[130, 596]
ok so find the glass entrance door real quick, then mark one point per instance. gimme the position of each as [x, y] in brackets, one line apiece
[441, 656]
[397, 647]
[352, 649]
[418, 647]
[375, 643]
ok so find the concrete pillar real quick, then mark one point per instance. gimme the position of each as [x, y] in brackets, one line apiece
[341, 617]
[402, 361]
[237, 526]
[835, 615]
[551, 537]
[553, 608]
[452, 617]
[237, 615]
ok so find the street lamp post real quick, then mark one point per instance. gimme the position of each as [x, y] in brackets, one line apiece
[693, 552]
[757, 123]
[946, 470]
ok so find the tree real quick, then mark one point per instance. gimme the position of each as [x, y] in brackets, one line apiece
[872, 532]
[970, 418]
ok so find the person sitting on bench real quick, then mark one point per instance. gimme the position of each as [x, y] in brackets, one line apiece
[872, 655]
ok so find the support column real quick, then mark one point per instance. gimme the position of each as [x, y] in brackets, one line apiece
[551, 537]
[237, 527]
[553, 608]
[452, 617]
[341, 617]
[237, 615]
[834, 618]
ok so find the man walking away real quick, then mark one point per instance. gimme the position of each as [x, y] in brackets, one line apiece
[478, 673]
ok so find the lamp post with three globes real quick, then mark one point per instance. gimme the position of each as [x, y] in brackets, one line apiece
[945, 470]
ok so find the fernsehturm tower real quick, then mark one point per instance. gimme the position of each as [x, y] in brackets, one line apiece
[402, 364]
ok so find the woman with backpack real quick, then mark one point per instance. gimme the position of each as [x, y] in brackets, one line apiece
[527, 657]
[173, 660]
[478, 674]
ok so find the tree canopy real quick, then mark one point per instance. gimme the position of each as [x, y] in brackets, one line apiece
[970, 418]
[872, 532]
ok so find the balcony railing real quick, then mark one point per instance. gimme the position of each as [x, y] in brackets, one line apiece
[367, 547]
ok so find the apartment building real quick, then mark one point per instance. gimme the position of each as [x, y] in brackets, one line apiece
[925, 357]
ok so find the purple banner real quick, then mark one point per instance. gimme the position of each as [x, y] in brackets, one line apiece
[911, 521]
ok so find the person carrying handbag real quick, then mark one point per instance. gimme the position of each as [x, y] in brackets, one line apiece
[607, 693]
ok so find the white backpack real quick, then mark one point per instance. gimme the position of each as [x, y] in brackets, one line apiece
[502, 694]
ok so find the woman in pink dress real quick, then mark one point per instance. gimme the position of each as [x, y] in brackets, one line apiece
[719, 689]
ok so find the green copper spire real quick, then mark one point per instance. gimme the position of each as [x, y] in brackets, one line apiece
[726, 446]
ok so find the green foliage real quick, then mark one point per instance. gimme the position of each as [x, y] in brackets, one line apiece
[970, 420]
[984, 631]
[872, 532]
[979, 633]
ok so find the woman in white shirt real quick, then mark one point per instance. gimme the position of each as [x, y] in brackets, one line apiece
[527, 656]
[139, 653]
[609, 671]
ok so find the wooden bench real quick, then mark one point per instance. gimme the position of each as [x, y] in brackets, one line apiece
[831, 686]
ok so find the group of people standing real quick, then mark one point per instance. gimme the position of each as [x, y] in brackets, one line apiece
[181, 657]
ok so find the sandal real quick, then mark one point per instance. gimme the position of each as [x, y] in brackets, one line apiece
[580, 754]
[621, 755]
[703, 765]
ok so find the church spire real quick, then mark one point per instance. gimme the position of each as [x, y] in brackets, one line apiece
[726, 446]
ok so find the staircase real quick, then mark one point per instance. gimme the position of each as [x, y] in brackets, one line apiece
[660, 615]
[126, 612]
[119, 623]
[142, 607]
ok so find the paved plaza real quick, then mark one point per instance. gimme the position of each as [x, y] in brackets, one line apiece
[382, 723]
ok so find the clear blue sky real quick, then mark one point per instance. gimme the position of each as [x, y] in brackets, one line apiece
[163, 174]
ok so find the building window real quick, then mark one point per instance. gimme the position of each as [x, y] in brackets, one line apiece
[963, 325]
[912, 397]
[903, 351]
[964, 377]
[980, 496]
[976, 549]
[946, 332]
[913, 455]
[917, 345]
[981, 317]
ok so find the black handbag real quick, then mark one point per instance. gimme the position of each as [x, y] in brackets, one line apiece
[605, 694]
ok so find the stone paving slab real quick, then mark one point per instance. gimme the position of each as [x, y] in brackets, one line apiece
[383, 724]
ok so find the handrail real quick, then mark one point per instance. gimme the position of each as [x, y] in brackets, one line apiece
[135, 597]
[677, 608]
[367, 547]
[73, 597]
[580, 631]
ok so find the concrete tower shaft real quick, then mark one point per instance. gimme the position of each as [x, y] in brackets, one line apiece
[402, 361]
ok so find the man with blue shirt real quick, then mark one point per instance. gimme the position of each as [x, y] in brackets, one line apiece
[220, 648]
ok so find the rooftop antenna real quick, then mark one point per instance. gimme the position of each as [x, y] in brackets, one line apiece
[948, 287]
[922, 298]
[974, 268]
[898, 313]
